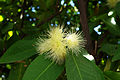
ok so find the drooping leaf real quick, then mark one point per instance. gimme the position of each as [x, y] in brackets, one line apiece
[20, 50]
[79, 68]
[42, 69]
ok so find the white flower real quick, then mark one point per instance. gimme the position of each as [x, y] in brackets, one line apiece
[75, 42]
[54, 45]
[58, 43]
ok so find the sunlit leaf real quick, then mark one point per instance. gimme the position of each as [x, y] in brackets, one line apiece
[20, 50]
[79, 68]
[43, 69]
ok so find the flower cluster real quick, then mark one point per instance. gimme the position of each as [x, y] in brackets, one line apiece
[58, 43]
[112, 3]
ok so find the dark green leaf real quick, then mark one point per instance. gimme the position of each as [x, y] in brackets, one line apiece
[109, 48]
[42, 69]
[20, 50]
[7, 27]
[50, 3]
[117, 8]
[117, 55]
[110, 75]
[17, 71]
[113, 29]
[1, 44]
[79, 68]
[112, 50]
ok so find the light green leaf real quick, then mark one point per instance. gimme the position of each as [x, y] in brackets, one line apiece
[42, 69]
[20, 50]
[3, 0]
[79, 68]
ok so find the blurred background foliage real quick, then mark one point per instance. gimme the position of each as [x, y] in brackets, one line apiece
[27, 19]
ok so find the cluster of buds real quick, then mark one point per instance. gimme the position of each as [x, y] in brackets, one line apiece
[58, 44]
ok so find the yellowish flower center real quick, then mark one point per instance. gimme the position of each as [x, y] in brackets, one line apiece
[1, 18]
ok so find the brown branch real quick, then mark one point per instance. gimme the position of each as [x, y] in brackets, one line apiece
[83, 20]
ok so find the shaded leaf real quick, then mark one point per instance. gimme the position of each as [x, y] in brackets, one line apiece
[109, 48]
[117, 8]
[117, 55]
[7, 27]
[110, 75]
[17, 71]
[113, 29]
[50, 3]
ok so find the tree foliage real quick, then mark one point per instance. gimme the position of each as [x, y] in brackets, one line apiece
[22, 22]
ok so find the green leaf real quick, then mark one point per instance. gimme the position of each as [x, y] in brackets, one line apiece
[91, 26]
[110, 75]
[42, 69]
[79, 68]
[117, 8]
[1, 44]
[28, 29]
[20, 50]
[50, 3]
[7, 27]
[17, 71]
[112, 50]
[117, 55]
[8, 1]
[109, 48]
[113, 29]
[41, 3]
[3, 0]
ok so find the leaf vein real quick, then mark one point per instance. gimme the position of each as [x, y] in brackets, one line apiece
[77, 67]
